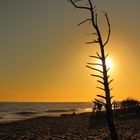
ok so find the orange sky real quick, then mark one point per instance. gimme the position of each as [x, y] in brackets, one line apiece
[43, 52]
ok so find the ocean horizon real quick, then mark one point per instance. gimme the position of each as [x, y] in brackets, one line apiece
[12, 111]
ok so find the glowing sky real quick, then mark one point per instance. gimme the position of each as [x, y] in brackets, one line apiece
[43, 52]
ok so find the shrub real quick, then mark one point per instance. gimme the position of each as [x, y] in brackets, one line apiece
[129, 103]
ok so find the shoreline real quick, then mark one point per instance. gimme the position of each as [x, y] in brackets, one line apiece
[63, 115]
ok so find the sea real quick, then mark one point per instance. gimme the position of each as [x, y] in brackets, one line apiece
[12, 111]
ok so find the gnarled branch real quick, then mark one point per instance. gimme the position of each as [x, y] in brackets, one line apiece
[92, 42]
[95, 57]
[94, 69]
[107, 69]
[96, 100]
[101, 96]
[110, 81]
[77, 6]
[101, 88]
[106, 55]
[98, 55]
[97, 76]
[111, 97]
[100, 82]
[96, 64]
[112, 103]
[84, 21]
[109, 31]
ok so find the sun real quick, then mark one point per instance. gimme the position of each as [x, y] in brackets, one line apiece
[109, 64]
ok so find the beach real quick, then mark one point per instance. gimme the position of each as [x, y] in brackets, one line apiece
[69, 127]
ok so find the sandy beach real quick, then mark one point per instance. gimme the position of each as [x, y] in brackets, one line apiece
[69, 128]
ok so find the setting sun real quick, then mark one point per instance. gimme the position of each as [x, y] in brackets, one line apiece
[109, 64]
[69, 69]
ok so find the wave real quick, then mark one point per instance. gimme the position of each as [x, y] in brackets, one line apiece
[25, 113]
[12, 111]
[1, 117]
[61, 110]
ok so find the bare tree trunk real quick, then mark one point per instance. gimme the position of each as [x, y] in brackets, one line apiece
[104, 77]
[111, 125]
[109, 113]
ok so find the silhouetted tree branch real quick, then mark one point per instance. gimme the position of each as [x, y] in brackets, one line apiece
[101, 88]
[101, 96]
[94, 69]
[98, 76]
[109, 29]
[100, 82]
[96, 64]
[100, 102]
[95, 57]
[102, 56]
[84, 21]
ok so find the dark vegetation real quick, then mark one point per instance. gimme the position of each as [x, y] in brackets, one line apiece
[129, 107]
[130, 104]
[123, 109]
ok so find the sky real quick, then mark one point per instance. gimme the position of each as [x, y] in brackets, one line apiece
[43, 52]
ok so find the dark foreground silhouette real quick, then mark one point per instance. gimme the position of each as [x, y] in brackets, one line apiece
[73, 127]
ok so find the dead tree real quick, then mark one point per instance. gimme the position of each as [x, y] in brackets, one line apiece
[103, 76]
